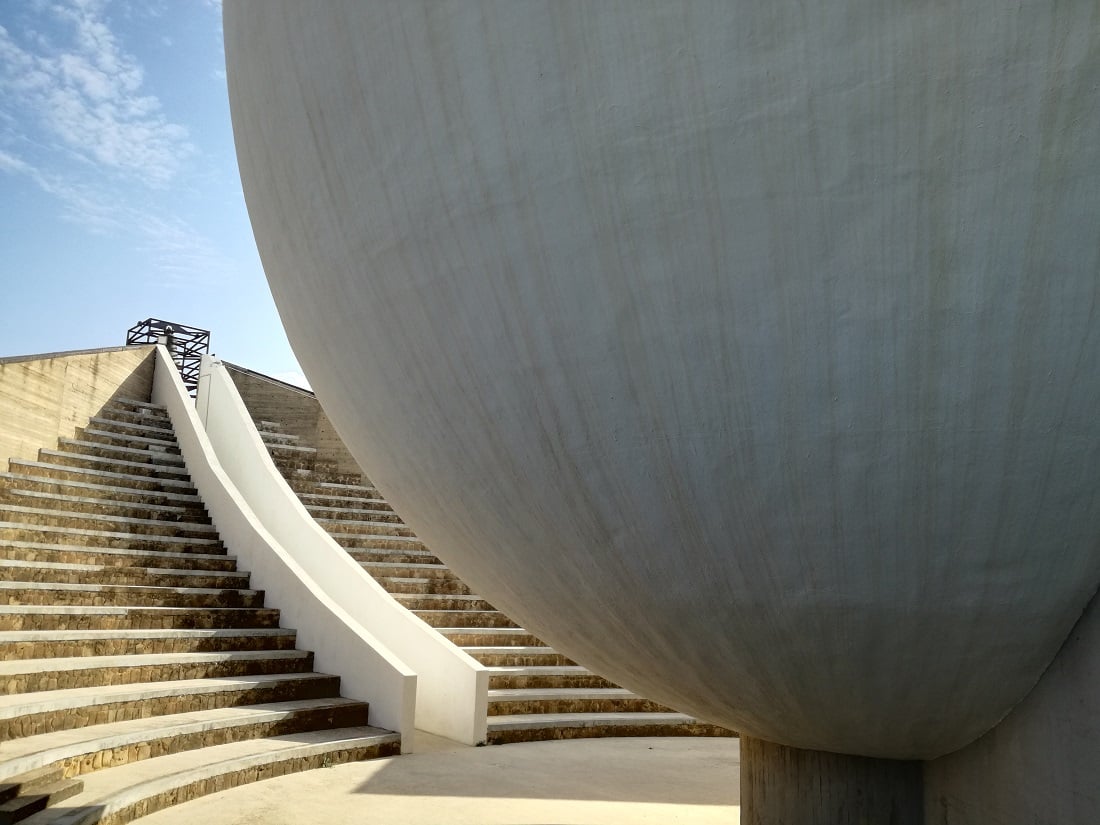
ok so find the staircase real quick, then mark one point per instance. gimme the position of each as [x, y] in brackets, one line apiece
[535, 693]
[137, 667]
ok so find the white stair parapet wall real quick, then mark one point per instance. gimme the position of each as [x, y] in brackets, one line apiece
[452, 688]
[369, 671]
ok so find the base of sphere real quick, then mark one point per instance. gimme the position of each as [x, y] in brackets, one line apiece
[782, 785]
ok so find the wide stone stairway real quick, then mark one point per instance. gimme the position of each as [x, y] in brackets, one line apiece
[535, 692]
[138, 668]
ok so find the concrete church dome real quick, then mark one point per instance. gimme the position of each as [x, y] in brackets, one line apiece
[746, 352]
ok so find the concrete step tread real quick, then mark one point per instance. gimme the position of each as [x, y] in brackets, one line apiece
[161, 469]
[106, 502]
[163, 457]
[23, 704]
[319, 511]
[114, 551]
[520, 721]
[300, 449]
[179, 498]
[383, 566]
[537, 670]
[123, 403]
[72, 663]
[103, 568]
[496, 631]
[338, 485]
[46, 512]
[10, 636]
[21, 807]
[305, 497]
[132, 425]
[138, 438]
[89, 587]
[518, 650]
[547, 694]
[109, 791]
[108, 609]
[410, 540]
[31, 752]
[108, 534]
[49, 467]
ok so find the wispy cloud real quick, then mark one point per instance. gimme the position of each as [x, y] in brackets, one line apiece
[180, 255]
[85, 92]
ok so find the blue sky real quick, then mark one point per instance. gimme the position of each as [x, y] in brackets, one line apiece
[119, 187]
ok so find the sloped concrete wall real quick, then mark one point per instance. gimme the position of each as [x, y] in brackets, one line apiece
[1039, 765]
[46, 397]
[297, 410]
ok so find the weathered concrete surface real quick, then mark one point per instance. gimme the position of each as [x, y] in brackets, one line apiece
[297, 410]
[580, 782]
[46, 397]
[762, 335]
[1041, 764]
[781, 786]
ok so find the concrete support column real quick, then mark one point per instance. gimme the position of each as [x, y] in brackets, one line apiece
[789, 786]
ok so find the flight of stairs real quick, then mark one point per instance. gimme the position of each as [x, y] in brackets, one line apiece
[137, 668]
[535, 692]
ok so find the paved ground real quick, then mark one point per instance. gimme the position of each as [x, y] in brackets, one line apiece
[584, 782]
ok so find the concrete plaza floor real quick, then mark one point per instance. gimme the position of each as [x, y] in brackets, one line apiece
[580, 782]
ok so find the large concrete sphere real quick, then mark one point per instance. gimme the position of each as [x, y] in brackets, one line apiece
[746, 351]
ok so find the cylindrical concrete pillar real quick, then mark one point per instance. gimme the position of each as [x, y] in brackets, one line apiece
[790, 786]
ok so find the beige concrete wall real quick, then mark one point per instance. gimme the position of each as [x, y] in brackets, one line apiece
[297, 410]
[46, 397]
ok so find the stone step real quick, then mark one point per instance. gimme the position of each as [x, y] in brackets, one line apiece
[36, 675]
[33, 714]
[376, 555]
[346, 528]
[21, 571]
[41, 516]
[539, 676]
[282, 447]
[417, 585]
[113, 556]
[173, 485]
[44, 644]
[334, 502]
[375, 510]
[383, 569]
[165, 473]
[441, 601]
[517, 656]
[543, 726]
[124, 595]
[113, 452]
[570, 700]
[114, 617]
[13, 783]
[135, 441]
[465, 618]
[269, 426]
[497, 636]
[329, 489]
[150, 417]
[42, 485]
[314, 471]
[126, 793]
[340, 517]
[351, 541]
[49, 534]
[140, 427]
[25, 805]
[82, 750]
[275, 437]
[193, 513]
[145, 407]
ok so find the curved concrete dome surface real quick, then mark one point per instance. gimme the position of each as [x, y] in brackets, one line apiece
[747, 352]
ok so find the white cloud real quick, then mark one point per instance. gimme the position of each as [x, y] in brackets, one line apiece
[87, 93]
